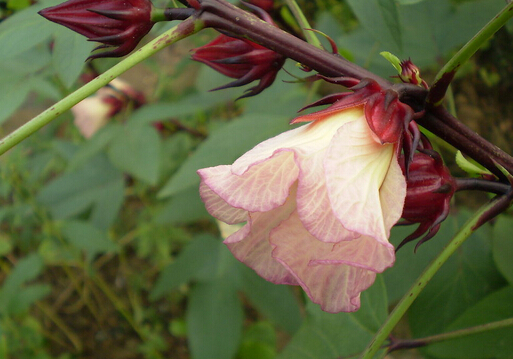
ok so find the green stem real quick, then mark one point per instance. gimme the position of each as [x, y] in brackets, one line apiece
[415, 343]
[420, 283]
[184, 29]
[303, 23]
[446, 74]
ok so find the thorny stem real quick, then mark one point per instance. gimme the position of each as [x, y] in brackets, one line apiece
[421, 342]
[417, 287]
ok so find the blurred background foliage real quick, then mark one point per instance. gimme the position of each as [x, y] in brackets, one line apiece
[106, 248]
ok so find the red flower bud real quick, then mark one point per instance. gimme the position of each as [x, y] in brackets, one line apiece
[410, 73]
[121, 23]
[241, 59]
[430, 188]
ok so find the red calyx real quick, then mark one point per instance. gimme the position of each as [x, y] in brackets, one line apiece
[115, 23]
[430, 188]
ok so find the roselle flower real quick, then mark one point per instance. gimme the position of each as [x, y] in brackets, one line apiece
[430, 188]
[94, 112]
[318, 201]
[115, 23]
[241, 59]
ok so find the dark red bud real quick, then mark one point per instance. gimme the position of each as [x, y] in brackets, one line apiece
[241, 59]
[410, 73]
[115, 23]
[430, 188]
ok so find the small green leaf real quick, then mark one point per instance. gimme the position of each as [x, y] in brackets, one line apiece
[471, 167]
[394, 60]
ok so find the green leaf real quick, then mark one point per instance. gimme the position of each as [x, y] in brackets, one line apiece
[503, 246]
[381, 19]
[425, 26]
[13, 98]
[136, 150]
[91, 240]
[25, 297]
[258, 342]
[394, 60]
[468, 276]
[325, 335]
[184, 207]
[409, 265]
[199, 254]
[24, 30]
[471, 167]
[97, 186]
[69, 53]
[224, 146]
[214, 320]
[492, 344]
[274, 301]
[25, 270]
[94, 146]
[188, 106]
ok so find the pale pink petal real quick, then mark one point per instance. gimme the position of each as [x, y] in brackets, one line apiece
[356, 167]
[250, 244]
[393, 193]
[332, 275]
[262, 187]
[91, 114]
[215, 205]
[313, 204]
[303, 140]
